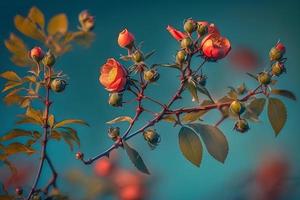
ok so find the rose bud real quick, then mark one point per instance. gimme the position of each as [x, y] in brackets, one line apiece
[114, 133]
[277, 52]
[151, 75]
[264, 78]
[113, 76]
[19, 191]
[115, 99]
[58, 85]
[186, 43]
[152, 138]
[200, 79]
[190, 26]
[180, 57]
[126, 39]
[215, 47]
[278, 68]
[137, 56]
[178, 35]
[86, 21]
[49, 59]
[236, 107]
[36, 54]
[103, 167]
[79, 155]
[241, 126]
[202, 28]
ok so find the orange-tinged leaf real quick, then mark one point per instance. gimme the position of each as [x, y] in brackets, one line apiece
[15, 133]
[17, 147]
[70, 121]
[37, 16]
[190, 145]
[28, 28]
[120, 119]
[285, 93]
[277, 114]
[11, 76]
[58, 24]
[36, 115]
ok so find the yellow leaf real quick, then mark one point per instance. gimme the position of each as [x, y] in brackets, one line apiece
[15, 133]
[37, 16]
[69, 121]
[12, 98]
[11, 76]
[10, 85]
[35, 115]
[58, 24]
[51, 121]
[17, 147]
[169, 118]
[120, 119]
[15, 45]
[28, 28]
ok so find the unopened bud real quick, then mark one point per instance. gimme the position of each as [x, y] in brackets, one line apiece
[241, 126]
[49, 59]
[151, 75]
[264, 78]
[79, 156]
[137, 56]
[277, 52]
[186, 43]
[190, 26]
[180, 57]
[152, 137]
[114, 133]
[237, 107]
[36, 54]
[58, 85]
[278, 68]
[19, 191]
[115, 99]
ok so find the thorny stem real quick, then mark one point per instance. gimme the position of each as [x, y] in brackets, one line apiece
[166, 109]
[45, 126]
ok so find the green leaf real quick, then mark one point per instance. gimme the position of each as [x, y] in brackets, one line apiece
[204, 91]
[193, 116]
[36, 16]
[214, 140]
[15, 133]
[191, 86]
[277, 114]
[28, 28]
[120, 119]
[17, 147]
[174, 65]
[190, 145]
[254, 109]
[70, 121]
[252, 75]
[285, 93]
[148, 55]
[135, 158]
[58, 24]
[11, 76]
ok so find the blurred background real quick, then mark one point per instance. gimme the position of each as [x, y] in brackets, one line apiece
[255, 25]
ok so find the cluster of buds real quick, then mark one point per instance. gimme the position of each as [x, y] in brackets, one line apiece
[238, 108]
[152, 137]
[87, 21]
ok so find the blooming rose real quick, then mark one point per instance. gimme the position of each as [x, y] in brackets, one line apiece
[125, 38]
[113, 76]
[178, 35]
[215, 46]
[36, 53]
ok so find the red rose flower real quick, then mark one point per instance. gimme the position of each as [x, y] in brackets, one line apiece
[215, 46]
[178, 35]
[125, 39]
[103, 167]
[113, 76]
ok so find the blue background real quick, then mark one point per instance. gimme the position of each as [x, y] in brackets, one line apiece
[257, 24]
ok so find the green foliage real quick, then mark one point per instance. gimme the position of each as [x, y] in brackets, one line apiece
[135, 158]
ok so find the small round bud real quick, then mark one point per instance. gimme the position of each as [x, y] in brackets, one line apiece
[190, 26]
[58, 85]
[114, 133]
[202, 28]
[277, 52]
[79, 155]
[49, 59]
[126, 39]
[151, 75]
[137, 56]
[36, 54]
[264, 78]
[19, 191]
[180, 56]
[86, 20]
[237, 107]
[277, 68]
[152, 137]
[241, 126]
[186, 43]
[200, 79]
[115, 99]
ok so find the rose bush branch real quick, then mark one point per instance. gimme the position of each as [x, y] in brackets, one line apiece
[239, 104]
